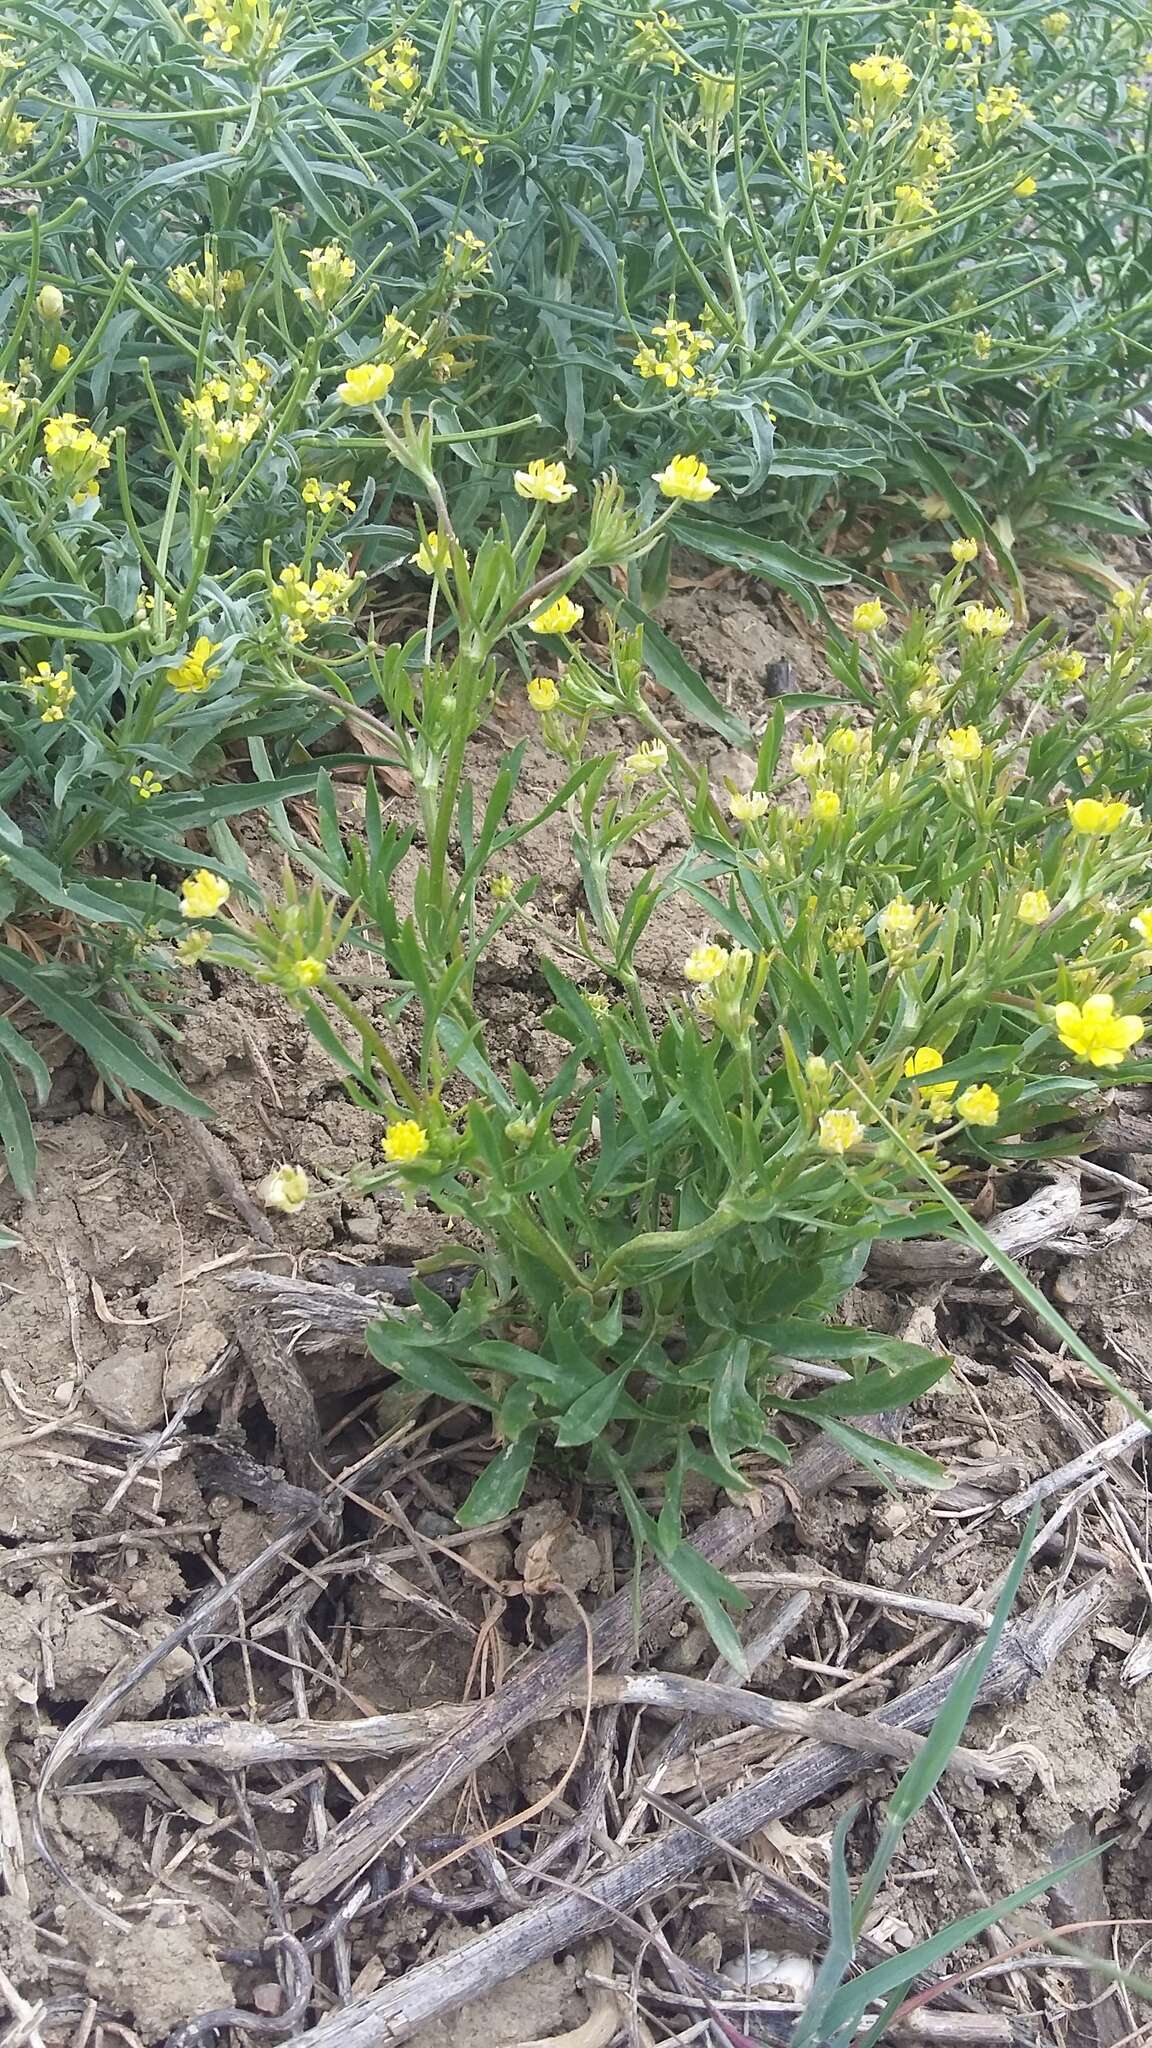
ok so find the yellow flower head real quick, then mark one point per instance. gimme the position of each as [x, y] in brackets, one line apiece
[433, 553]
[146, 785]
[561, 616]
[543, 693]
[979, 1105]
[807, 759]
[705, 963]
[76, 455]
[1142, 926]
[1026, 188]
[968, 30]
[328, 498]
[747, 808]
[1094, 1032]
[936, 1095]
[825, 806]
[397, 73]
[924, 1060]
[1068, 666]
[984, 622]
[50, 302]
[982, 344]
[60, 357]
[649, 758]
[202, 894]
[196, 671]
[405, 1142]
[961, 746]
[330, 272]
[1057, 23]
[301, 606]
[466, 257]
[205, 286]
[881, 81]
[965, 550]
[307, 972]
[11, 406]
[686, 477]
[285, 1189]
[51, 689]
[869, 616]
[366, 384]
[826, 169]
[1034, 906]
[546, 482]
[1002, 107]
[848, 741]
[897, 922]
[839, 1131]
[675, 360]
[1088, 815]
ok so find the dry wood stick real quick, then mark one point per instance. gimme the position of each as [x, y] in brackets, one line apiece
[378, 1820]
[391, 2015]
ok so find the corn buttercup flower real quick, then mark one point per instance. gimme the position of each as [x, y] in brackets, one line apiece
[686, 477]
[543, 693]
[825, 806]
[284, 1189]
[936, 1095]
[366, 384]
[746, 808]
[1089, 816]
[562, 616]
[979, 1105]
[964, 550]
[705, 963]
[807, 759]
[404, 1142]
[960, 747]
[196, 671]
[839, 1131]
[546, 482]
[202, 894]
[1034, 906]
[1094, 1032]
[649, 758]
[869, 616]
[985, 622]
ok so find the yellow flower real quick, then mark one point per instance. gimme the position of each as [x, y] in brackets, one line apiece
[433, 553]
[330, 272]
[301, 605]
[1034, 906]
[203, 894]
[307, 972]
[1002, 106]
[807, 759]
[547, 482]
[882, 82]
[686, 477]
[934, 149]
[404, 1142]
[76, 455]
[60, 357]
[1026, 188]
[1068, 666]
[897, 921]
[197, 669]
[146, 785]
[651, 43]
[1136, 94]
[839, 1131]
[849, 740]
[982, 344]
[826, 169]
[924, 1060]
[869, 616]
[705, 963]
[285, 1189]
[466, 257]
[1093, 1031]
[1142, 926]
[960, 746]
[1088, 815]
[328, 498]
[825, 806]
[471, 149]
[965, 550]
[366, 384]
[50, 302]
[746, 809]
[968, 29]
[936, 1095]
[913, 209]
[543, 694]
[984, 622]
[1057, 23]
[397, 73]
[207, 287]
[979, 1105]
[51, 690]
[11, 406]
[561, 616]
[649, 758]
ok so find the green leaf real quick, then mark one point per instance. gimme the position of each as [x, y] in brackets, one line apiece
[739, 549]
[673, 671]
[883, 1457]
[89, 1027]
[16, 1133]
[591, 1412]
[500, 1485]
[708, 1590]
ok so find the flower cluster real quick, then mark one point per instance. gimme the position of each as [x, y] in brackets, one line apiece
[330, 272]
[395, 73]
[245, 30]
[674, 362]
[302, 605]
[652, 42]
[76, 456]
[51, 690]
[227, 413]
[195, 671]
[205, 286]
[881, 82]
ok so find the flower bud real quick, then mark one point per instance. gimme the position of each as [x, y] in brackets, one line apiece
[50, 302]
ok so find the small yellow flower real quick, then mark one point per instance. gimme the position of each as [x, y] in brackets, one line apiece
[924, 1060]
[1057, 23]
[598, 1003]
[11, 406]
[1026, 188]
[965, 550]
[404, 1142]
[968, 30]
[982, 344]
[869, 616]
[1002, 106]
[1068, 666]
[649, 758]
[561, 616]
[807, 759]
[51, 689]
[60, 357]
[330, 272]
[466, 257]
[686, 477]
[546, 482]
[285, 1189]
[1034, 906]
[1088, 815]
[882, 82]
[146, 785]
[193, 946]
[979, 1105]
[705, 963]
[203, 894]
[433, 553]
[961, 746]
[328, 498]
[847, 741]
[937, 1095]
[1142, 926]
[50, 302]
[543, 693]
[366, 384]
[746, 809]
[1094, 1032]
[825, 806]
[839, 1131]
[984, 622]
[897, 921]
[196, 671]
[307, 972]
[826, 169]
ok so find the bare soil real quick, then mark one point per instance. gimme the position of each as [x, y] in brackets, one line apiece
[116, 1307]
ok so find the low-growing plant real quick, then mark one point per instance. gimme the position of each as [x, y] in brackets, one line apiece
[924, 937]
